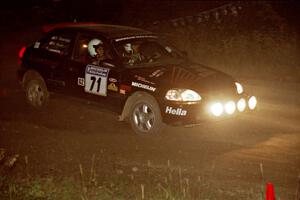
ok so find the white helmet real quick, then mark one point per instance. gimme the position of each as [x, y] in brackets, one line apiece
[128, 48]
[92, 46]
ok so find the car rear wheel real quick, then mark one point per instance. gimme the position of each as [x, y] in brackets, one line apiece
[37, 94]
[145, 117]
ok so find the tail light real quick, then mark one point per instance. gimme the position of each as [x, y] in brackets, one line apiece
[21, 54]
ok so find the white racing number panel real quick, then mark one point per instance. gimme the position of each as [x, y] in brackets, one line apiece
[96, 80]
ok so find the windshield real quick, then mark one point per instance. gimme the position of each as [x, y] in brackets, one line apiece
[145, 51]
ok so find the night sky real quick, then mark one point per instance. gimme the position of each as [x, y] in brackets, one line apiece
[29, 14]
[117, 11]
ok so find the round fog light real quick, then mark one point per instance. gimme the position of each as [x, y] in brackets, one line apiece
[216, 109]
[241, 105]
[230, 107]
[252, 102]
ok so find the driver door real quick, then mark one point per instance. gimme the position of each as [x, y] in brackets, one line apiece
[96, 81]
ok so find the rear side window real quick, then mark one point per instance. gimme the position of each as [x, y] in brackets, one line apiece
[58, 43]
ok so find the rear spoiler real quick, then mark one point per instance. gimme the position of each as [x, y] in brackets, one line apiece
[49, 27]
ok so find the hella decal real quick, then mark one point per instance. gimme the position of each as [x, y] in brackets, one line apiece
[175, 111]
[140, 85]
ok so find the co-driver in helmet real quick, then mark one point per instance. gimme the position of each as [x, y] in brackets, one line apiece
[131, 52]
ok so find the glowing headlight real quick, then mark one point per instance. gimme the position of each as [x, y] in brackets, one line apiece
[252, 102]
[241, 105]
[230, 107]
[182, 95]
[239, 88]
[216, 109]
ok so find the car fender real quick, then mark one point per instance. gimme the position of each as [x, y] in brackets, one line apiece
[130, 100]
[30, 74]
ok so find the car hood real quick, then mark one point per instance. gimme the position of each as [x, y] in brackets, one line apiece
[187, 76]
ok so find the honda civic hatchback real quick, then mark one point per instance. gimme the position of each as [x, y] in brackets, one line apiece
[131, 71]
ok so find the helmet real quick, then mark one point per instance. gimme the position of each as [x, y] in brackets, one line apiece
[92, 46]
[128, 48]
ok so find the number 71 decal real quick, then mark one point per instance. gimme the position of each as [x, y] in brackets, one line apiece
[96, 80]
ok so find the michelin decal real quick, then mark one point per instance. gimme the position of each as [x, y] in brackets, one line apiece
[144, 86]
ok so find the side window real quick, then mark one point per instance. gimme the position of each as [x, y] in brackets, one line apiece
[58, 43]
[91, 49]
[140, 52]
[129, 52]
[153, 51]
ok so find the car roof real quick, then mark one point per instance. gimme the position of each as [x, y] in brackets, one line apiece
[107, 30]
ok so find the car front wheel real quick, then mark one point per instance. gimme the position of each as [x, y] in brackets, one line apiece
[145, 117]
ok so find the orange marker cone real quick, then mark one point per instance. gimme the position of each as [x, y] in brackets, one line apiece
[270, 192]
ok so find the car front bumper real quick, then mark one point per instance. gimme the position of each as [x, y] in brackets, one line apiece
[209, 109]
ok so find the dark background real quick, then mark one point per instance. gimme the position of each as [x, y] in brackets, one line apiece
[16, 14]
[261, 40]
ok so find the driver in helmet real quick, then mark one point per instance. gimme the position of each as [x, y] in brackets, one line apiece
[96, 51]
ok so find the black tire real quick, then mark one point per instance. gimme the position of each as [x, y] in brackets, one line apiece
[144, 115]
[37, 94]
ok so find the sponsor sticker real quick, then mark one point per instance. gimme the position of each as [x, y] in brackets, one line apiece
[112, 80]
[36, 45]
[96, 80]
[80, 81]
[143, 79]
[112, 87]
[156, 73]
[175, 111]
[144, 86]
[124, 89]
[135, 37]
[53, 50]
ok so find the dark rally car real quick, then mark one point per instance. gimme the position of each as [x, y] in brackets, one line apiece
[130, 71]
